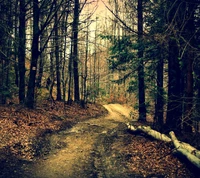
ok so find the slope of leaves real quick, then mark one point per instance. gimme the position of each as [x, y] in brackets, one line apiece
[151, 158]
[20, 127]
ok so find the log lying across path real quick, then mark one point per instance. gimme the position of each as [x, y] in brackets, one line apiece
[191, 153]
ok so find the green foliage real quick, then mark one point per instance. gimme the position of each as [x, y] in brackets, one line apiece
[4, 90]
[102, 92]
[41, 94]
[133, 86]
[8, 90]
[122, 52]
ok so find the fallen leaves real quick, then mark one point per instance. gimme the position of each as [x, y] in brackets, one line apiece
[20, 127]
[151, 157]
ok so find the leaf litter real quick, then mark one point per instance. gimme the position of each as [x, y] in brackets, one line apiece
[21, 127]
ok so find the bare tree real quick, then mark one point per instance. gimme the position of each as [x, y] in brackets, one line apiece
[75, 26]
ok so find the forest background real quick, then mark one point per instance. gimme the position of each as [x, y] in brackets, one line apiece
[144, 52]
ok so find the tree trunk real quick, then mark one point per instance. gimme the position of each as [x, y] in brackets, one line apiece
[51, 77]
[173, 120]
[69, 99]
[174, 105]
[43, 55]
[187, 118]
[141, 89]
[189, 32]
[85, 74]
[148, 130]
[65, 75]
[41, 70]
[159, 104]
[191, 153]
[16, 46]
[21, 51]
[58, 98]
[34, 56]
[75, 51]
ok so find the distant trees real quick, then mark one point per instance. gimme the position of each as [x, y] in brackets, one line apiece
[38, 38]
[6, 54]
[127, 51]
[152, 50]
[167, 51]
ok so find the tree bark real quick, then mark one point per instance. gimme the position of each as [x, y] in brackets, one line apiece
[21, 51]
[188, 34]
[51, 78]
[159, 103]
[141, 89]
[43, 55]
[70, 78]
[75, 51]
[173, 120]
[191, 153]
[34, 56]
[155, 134]
[58, 97]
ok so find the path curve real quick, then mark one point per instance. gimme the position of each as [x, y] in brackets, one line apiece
[88, 149]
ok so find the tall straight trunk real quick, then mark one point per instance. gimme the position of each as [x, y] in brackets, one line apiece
[51, 77]
[187, 124]
[175, 77]
[75, 51]
[34, 56]
[41, 70]
[94, 70]
[16, 46]
[159, 104]
[58, 97]
[70, 78]
[42, 57]
[21, 51]
[197, 98]
[189, 37]
[141, 88]
[85, 67]
[64, 76]
[174, 109]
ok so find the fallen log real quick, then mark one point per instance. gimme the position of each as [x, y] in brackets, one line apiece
[186, 146]
[190, 152]
[186, 150]
[148, 130]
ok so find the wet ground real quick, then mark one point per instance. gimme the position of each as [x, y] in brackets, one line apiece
[89, 149]
[98, 148]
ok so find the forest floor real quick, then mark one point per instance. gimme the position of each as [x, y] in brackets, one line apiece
[57, 141]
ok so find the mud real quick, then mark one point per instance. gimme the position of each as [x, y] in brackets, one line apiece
[89, 149]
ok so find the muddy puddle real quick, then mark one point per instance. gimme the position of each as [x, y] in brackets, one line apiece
[89, 149]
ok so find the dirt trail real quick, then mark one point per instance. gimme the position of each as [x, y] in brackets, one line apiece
[89, 149]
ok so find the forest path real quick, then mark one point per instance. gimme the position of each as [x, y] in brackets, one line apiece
[89, 149]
